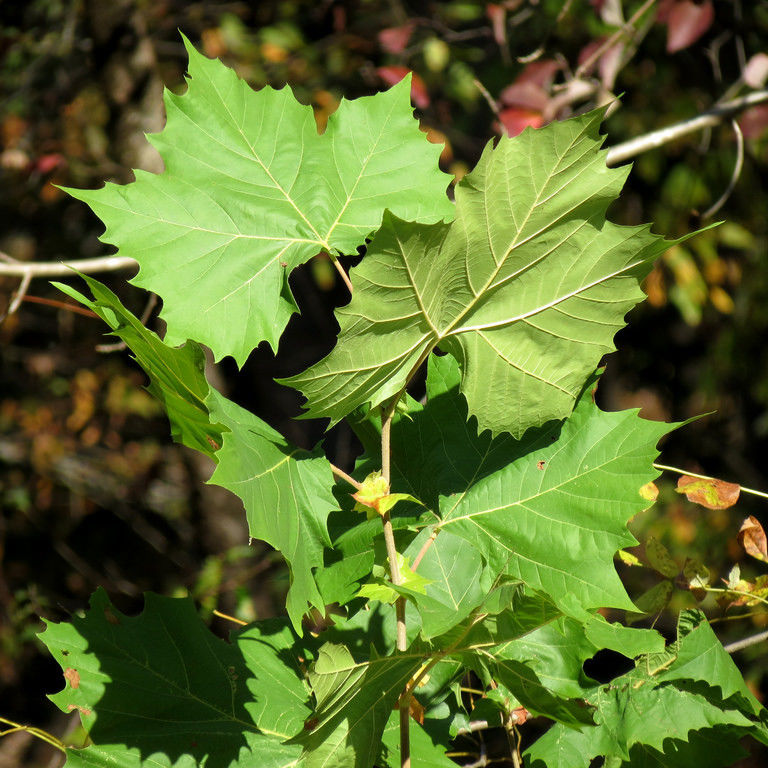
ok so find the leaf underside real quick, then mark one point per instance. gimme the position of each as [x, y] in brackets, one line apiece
[526, 287]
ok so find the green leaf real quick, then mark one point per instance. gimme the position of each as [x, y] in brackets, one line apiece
[526, 287]
[425, 753]
[286, 493]
[454, 569]
[159, 689]
[251, 190]
[663, 706]
[354, 703]
[555, 517]
[177, 377]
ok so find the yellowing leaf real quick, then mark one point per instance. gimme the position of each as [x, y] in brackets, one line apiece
[709, 492]
[649, 492]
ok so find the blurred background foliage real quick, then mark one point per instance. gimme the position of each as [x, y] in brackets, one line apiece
[93, 492]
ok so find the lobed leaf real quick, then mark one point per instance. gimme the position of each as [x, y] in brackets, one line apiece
[251, 190]
[286, 491]
[160, 689]
[556, 516]
[525, 288]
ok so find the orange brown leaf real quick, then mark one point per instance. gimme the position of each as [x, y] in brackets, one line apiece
[752, 537]
[710, 493]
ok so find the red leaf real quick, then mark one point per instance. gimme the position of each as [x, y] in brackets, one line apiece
[525, 96]
[394, 39]
[541, 72]
[687, 22]
[394, 74]
[752, 538]
[754, 122]
[710, 493]
[515, 120]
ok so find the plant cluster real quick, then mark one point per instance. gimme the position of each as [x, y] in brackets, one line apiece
[476, 535]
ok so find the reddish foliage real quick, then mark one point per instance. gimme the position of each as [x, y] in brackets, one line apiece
[752, 538]
[394, 39]
[686, 22]
[515, 121]
[394, 74]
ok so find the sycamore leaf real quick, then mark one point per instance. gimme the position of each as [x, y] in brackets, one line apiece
[666, 705]
[176, 375]
[425, 753]
[251, 190]
[286, 493]
[558, 528]
[454, 569]
[526, 287]
[709, 492]
[353, 704]
[660, 559]
[160, 690]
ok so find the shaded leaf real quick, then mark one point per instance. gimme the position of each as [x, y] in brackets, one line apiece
[659, 558]
[710, 492]
[526, 288]
[160, 689]
[665, 704]
[354, 701]
[251, 190]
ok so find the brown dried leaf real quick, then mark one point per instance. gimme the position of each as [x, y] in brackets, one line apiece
[752, 537]
[711, 493]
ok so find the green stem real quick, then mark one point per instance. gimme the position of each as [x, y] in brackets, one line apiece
[679, 471]
[48, 738]
[404, 702]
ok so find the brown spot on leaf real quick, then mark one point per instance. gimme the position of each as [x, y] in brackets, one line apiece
[212, 443]
[72, 676]
[110, 616]
[752, 538]
[310, 723]
[710, 493]
[540, 464]
[81, 710]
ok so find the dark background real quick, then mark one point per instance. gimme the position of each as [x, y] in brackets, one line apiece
[92, 490]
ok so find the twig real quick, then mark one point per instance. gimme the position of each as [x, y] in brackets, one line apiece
[623, 31]
[343, 273]
[654, 139]
[229, 618]
[49, 738]
[10, 267]
[76, 308]
[718, 204]
[18, 297]
[706, 477]
[340, 473]
[487, 96]
[739, 645]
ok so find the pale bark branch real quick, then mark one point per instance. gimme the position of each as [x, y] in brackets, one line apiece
[710, 118]
[13, 268]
